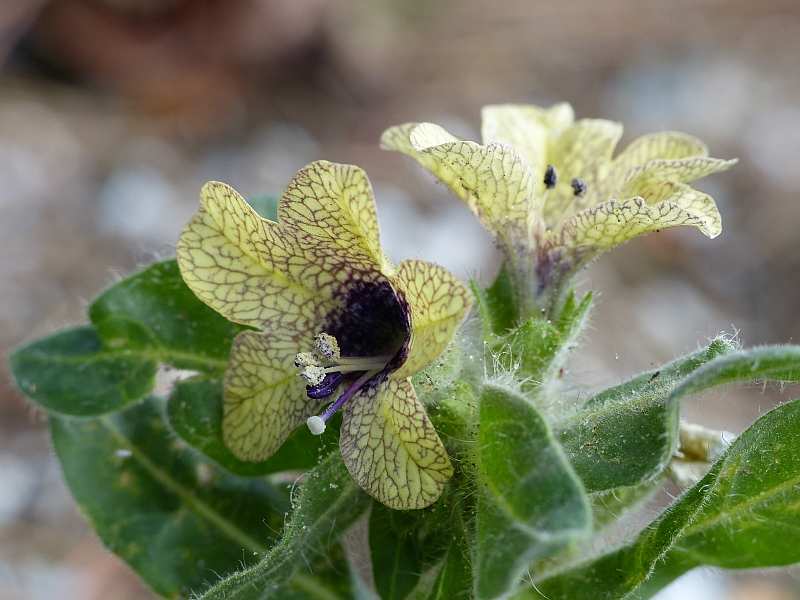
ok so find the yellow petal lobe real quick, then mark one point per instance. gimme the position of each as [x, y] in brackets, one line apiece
[638, 179]
[438, 302]
[330, 210]
[496, 183]
[525, 127]
[391, 448]
[399, 139]
[264, 399]
[611, 223]
[241, 266]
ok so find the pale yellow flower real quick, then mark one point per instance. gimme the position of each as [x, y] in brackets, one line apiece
[334, 319]
[552, 195]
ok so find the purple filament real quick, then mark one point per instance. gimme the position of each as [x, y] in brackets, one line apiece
[326, 388]
[352, 389]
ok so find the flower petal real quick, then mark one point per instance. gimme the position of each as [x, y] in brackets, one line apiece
[600, 227]
[399, 139]
[495, 181]
[682, 170]
[583, 150]
[391, 448]
[264, 399]
[525, 127]
[437, 303]
[241, 266]
[664, 145]
[691, 200]
[330, 209]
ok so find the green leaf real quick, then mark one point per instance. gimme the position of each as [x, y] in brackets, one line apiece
[154, 313]
[496, 304]
[329, 579]
[537, 351]
[195, 413]
[573, 316]
[176, 519]
[743, 514]
[529, 352]
[329, 502]
[532, 504]
[72, 372]
[455, 577]
[763, 363]
[627, 433]
[396, 554]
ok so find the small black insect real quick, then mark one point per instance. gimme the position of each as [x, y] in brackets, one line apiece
[656, 374]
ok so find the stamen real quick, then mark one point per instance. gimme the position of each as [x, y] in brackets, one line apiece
[365, 362]
[305, 359]
[360, 366]
[313, 375]
[317, 424]
[579, 186]
[550, 177]
[327, 346]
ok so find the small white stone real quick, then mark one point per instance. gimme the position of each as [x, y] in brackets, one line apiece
[316, 425]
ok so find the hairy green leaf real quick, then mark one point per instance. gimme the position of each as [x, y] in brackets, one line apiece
[328, 503]
[156, 314]
[396, 554]
[454, 580]
[742, 514]
[179, 521]
[627, 433]
[532, 504]
[496, 304]
[73, 372]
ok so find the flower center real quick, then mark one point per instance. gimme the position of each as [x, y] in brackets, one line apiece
[324, 369]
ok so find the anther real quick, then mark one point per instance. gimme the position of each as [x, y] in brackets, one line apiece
[314, 375]
[550, 177]
[327, 346]
[305, 359]
[579, 186]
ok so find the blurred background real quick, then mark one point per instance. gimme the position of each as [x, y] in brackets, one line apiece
[113, 113]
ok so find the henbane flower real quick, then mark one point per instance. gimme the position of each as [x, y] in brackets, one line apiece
[335, 320]
[548, 190]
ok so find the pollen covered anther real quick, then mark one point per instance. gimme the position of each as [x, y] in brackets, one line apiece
[327, 346]
[306, 359]
[550, 177]
[314, 375]
[579, 186]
